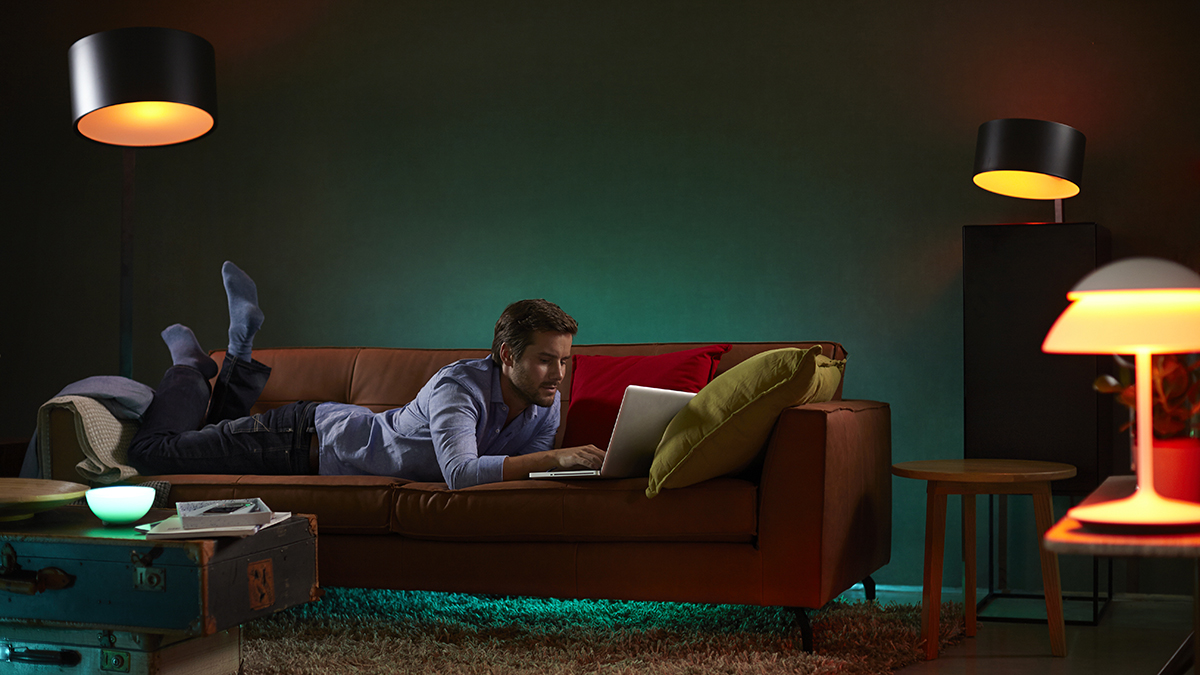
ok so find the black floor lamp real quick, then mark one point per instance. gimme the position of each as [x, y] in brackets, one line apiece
[140, 87]
[1019, 402]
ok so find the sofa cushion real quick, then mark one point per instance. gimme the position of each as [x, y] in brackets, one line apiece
[723, 510]
[342, 504]
[724, 427]
[598, 383]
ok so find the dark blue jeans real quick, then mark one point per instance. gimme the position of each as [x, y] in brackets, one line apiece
[176, 436]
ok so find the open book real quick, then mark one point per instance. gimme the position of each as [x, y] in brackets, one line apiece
[223, 513]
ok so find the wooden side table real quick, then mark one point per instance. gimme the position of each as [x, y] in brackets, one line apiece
[970, 477]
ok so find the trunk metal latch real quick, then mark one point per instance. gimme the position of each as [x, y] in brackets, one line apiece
[145, 577]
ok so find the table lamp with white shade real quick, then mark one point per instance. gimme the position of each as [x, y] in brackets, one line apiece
[1139, 306]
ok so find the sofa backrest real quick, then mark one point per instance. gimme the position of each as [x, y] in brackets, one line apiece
[380, 378]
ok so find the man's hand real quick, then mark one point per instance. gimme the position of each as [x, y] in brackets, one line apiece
[583, 456]
[517, 467]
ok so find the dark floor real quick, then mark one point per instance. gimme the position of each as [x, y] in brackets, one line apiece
[1137, 634]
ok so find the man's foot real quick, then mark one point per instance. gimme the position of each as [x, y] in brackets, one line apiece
[245, 318]
[186, 350]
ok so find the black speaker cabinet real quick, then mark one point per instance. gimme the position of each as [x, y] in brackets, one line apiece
[1021, 403]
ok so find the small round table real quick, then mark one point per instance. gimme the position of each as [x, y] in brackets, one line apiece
[970, 477]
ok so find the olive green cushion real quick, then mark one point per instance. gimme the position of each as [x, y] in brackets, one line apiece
[724, 427]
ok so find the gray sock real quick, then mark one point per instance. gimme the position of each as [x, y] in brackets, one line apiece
[186, 350]
[245, 318]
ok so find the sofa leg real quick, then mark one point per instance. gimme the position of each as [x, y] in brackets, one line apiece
[806, 632]
[869, 588]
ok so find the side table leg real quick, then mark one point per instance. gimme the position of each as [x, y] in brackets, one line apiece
[935, 548]
[1043, 509]
[968, 539]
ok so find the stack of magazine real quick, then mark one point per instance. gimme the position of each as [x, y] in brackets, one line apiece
[216, 518]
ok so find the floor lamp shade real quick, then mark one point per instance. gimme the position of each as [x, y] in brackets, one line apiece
[143, 86]
[1030, 159]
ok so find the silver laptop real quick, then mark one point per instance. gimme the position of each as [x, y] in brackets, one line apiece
[642, 418]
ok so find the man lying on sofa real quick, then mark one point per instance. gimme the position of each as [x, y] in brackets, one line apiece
[475, 421]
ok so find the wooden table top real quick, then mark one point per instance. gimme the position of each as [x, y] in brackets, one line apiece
[1070, 536]
[20, 498]
[983, 470]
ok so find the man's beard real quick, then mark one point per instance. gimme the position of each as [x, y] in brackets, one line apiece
[532, 393]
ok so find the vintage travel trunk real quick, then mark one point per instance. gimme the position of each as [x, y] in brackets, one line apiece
[65, 569]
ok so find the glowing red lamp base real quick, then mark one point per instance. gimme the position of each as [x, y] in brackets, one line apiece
[1145, 509]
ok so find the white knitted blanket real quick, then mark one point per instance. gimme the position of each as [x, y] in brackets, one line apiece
[103, 438]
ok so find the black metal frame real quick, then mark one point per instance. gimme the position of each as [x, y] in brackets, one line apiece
[1098, 609]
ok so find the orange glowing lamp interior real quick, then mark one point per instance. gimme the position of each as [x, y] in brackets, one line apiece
[1026, 184]
[146, 123]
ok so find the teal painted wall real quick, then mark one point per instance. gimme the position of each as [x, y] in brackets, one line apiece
[393, 173]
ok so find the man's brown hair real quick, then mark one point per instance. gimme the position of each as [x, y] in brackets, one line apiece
[522, 319]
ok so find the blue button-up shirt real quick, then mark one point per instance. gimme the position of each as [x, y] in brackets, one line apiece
[453, 431]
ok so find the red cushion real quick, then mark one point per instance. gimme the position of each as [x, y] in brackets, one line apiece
[598, 383]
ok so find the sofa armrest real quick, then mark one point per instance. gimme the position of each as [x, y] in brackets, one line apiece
[825, 500]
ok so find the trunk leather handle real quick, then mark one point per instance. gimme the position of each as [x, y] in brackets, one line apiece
[32, 583]
[40, 657]
[13, 579]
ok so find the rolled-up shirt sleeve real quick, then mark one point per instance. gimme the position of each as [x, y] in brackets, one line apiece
[454, 421]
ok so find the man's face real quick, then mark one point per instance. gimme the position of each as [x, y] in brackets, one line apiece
[536, 375]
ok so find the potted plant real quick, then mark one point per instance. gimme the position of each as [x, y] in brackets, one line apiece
[1176, 394]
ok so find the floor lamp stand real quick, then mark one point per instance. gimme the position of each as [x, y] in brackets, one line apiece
[129, 161]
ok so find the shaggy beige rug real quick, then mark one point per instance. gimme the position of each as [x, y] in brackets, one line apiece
[386, 632]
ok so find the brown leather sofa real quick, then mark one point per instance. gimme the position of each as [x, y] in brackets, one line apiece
[807, 522]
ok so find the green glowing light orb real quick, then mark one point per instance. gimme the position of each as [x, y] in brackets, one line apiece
[120, 504]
